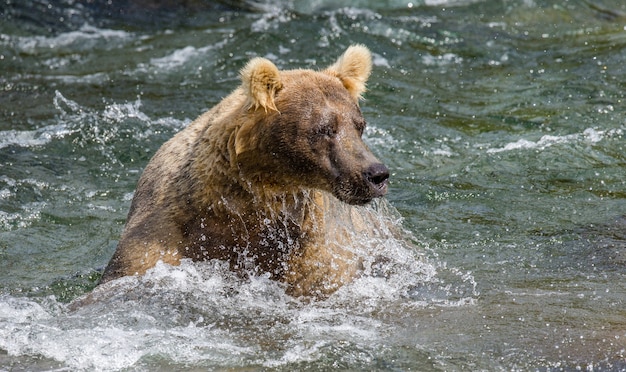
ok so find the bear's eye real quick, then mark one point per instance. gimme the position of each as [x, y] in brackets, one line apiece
[328, 130]
[360, 126]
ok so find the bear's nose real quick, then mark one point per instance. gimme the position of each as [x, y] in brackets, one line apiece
[377, 174]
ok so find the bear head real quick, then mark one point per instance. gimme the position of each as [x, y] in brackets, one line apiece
[303, 129]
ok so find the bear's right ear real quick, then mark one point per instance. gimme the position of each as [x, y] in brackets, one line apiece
[260, 81]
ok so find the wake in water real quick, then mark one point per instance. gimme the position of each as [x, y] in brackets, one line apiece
[203, 314]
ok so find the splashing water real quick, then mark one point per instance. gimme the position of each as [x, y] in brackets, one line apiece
[202, 314]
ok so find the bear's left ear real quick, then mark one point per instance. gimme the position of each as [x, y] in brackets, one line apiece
[353, 68]
[260, 82]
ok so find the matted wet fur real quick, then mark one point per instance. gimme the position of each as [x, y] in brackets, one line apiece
[250, 180]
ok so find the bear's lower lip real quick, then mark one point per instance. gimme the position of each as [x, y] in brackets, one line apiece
[377, 191]
[382, 188]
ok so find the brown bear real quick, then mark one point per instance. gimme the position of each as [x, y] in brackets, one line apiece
[251, 180]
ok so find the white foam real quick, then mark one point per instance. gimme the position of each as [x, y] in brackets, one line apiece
[379, 60]
[120, 111]
[178, 57]
[33, 138]
[271, 19]
[202, 314]
[85, 38]
[376, 137]
[98, 78]
[441, 60]
[450, 2]
[589, 135]
[29, 213]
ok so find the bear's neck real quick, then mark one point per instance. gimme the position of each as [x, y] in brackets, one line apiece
[243, 197]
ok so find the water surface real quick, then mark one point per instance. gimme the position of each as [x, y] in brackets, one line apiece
[502, 122]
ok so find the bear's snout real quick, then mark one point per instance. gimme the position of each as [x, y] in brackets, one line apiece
[377, 175]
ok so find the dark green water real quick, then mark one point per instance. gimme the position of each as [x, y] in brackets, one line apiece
[502, 122]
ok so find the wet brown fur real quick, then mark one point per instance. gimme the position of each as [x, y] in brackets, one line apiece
[249, 180]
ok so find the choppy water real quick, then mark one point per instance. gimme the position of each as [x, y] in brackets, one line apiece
[502, 121]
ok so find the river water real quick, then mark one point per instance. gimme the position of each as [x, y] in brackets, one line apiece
[502, 122]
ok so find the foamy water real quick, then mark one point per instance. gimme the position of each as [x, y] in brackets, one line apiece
[202, 314]
[588, 136]
[85, 38]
